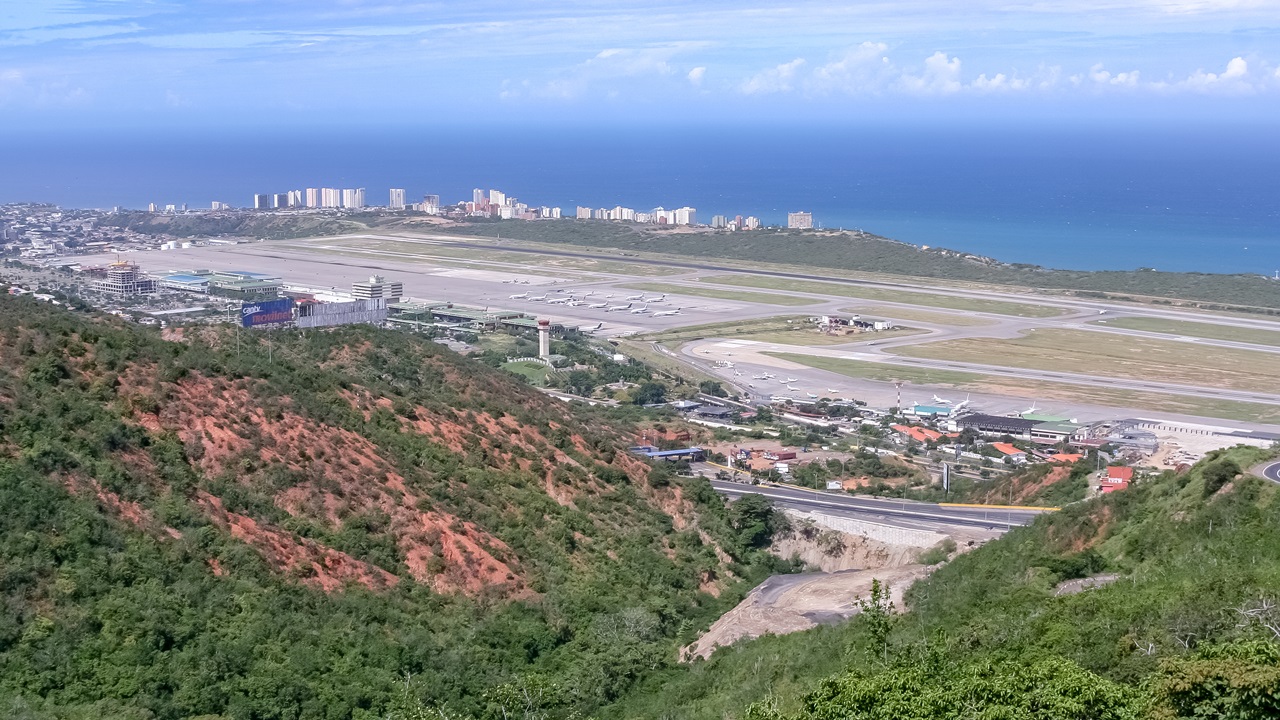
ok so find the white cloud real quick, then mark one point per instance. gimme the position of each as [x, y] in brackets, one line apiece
[999, 83]
[941, 76]
[864, 68]
[695, 75]
[1101, 76]
[1234, 79]
[775, 79]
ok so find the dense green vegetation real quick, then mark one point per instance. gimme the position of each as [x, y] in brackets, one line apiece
[869, 253]
[265, 226]
[126, 594]
[1188, 628]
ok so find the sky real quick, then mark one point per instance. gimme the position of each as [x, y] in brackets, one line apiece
[84, 65]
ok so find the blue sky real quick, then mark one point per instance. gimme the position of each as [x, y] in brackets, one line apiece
[85, 64]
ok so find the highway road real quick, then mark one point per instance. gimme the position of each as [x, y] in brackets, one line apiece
[902, 513]
[1271, 472]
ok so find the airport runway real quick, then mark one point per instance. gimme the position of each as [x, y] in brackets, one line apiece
[483, 281]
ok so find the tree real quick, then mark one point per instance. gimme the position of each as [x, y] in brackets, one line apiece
[753, 517]
[1240, 681]
[712, 387]
[649, 393]
[1218, 473]
[931, 689]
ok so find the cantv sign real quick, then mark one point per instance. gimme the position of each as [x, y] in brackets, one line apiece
[270, 312]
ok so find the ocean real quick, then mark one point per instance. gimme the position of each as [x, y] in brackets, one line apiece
[1091, 198]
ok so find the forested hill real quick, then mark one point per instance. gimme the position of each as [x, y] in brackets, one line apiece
[242, 525]
[1161, 601]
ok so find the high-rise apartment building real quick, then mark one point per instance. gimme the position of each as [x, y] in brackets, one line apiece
[583, 213]
[751, 223]
[431, 204]
[353, 198]
[280, 200]
[312, 197]
[330, 197]
[295, 198]
[497, 197]
[397, 199]
[719, 221]
[800, 220]
[261, 201]
[477, 197]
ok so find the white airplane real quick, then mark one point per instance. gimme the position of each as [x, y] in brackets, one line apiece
[618, 308]
[590, 328]
[832, 391]
[634, 297]
[1029, 410]
[537, 298]
[737, 373]
[667, 313]
[811, 395]
[760, 377]
[658, 299]
[608, 297]
[589, 293]
[961, 405]
[1102, 312]
[941, 401]
[598, 306]
[791, 380]
[769, 375]
[640, 310]
[577, 303]
[559, 301]
[521, 296]
[793, 388]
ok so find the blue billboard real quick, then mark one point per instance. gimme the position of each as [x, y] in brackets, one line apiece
[269, 312]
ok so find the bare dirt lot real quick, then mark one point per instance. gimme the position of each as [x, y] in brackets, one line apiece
[791, 603]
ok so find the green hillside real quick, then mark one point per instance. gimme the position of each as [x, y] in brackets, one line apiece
[1188, 625]
[303, 526]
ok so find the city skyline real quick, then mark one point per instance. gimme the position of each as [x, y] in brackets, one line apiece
[578, 61]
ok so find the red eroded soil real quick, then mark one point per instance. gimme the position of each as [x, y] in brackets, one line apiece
[313, 564]
[338, 474]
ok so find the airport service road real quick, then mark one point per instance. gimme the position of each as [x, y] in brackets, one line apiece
[899, 513]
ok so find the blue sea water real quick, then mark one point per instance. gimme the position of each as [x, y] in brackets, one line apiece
[1173, 198]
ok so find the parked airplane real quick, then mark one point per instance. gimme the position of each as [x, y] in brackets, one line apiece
[639, 310]
[597, 306]
[791, 380]
[832, 391]
[1102, 312]
[591, 328]
[941, 401]
[577, 303]
[960, 405]
[811, 395]
[589, 293]
[537, 298]
[658, 299]
[559, 301]
[634, 297]
[759, 377]
[792, 388]
[667, 313]
[618, 308]
[1029, 410]
[521, 296]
